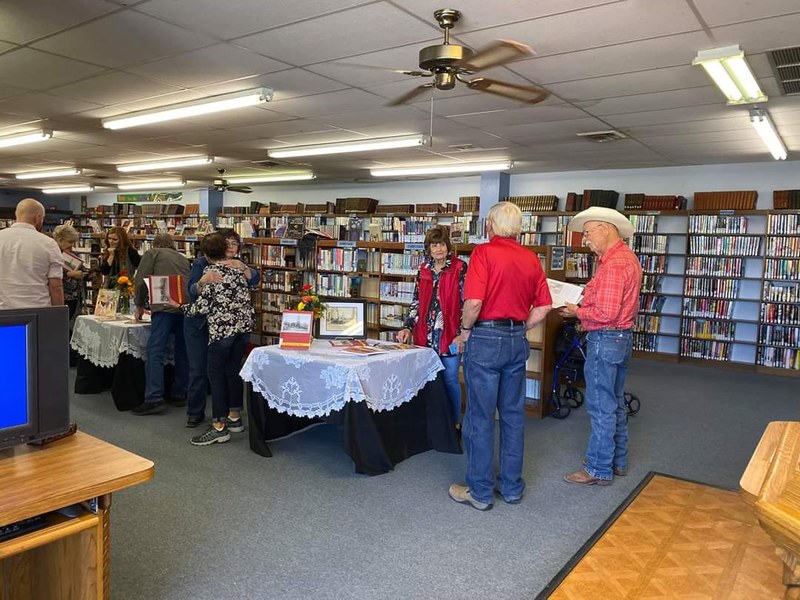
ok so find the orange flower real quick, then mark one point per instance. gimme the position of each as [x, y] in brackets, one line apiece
[122, 280]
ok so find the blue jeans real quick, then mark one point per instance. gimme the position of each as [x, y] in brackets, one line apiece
[224, 363]
[162, 325]
[494, 364]
[607, 356]
[197, 350]
[451, 384]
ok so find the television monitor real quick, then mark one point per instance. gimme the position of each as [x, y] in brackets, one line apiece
[34, 371]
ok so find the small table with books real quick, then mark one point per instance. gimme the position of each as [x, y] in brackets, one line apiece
[112, 354]
[391, 405]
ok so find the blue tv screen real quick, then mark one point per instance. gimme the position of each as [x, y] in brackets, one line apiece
[14, 375]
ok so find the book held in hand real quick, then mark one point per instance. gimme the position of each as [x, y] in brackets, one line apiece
[107, 301]
[563, 292]
[166, 288]
[71, 261]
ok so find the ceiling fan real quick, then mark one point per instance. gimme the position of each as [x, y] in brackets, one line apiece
[222, 185]
[448, 63]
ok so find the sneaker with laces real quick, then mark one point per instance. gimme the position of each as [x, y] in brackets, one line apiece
[194, 421]
[212, 436]
[461, 493]
[234, 425]
[507, 500]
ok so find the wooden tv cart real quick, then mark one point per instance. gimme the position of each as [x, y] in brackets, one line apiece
[69, 556]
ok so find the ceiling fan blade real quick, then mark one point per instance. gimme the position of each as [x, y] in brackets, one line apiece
[498, 53]
[243, 189]
[529, 95]
[408, 96]
[412, 72]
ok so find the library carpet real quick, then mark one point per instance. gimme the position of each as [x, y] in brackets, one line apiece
[674, 538]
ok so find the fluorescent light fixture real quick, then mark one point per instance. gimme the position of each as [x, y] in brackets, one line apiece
[48, 174]
[271, 178]
[69, 190]
[763, 125]
[162, 184]
[194, 108]
[403, 141]
[442, 169]
[730, 72]
[162, 165]
[25, 138]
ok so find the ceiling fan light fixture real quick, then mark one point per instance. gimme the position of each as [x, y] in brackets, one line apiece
[28, 137]
[304, 176]
[763, 125]
[48, 174]
[162, 184]
[69, 190]
[730, 72]
[403, 141]
[161, 165]
[193, 108]
[442, 169]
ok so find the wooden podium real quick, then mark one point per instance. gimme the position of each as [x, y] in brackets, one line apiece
[69, 556]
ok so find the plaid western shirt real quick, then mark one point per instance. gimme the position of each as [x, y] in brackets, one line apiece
[611, 298]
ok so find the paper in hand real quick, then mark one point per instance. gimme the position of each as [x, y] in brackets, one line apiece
[564, 293]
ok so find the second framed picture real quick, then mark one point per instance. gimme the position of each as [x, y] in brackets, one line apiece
[345, 319]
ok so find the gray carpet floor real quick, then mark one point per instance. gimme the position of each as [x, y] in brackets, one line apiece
[223, 522]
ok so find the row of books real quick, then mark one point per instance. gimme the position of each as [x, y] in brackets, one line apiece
[338, 286]
[779, 335]
[651, 284]
[709, 330]
[780, 314]
[645, 342]
[780, 358]
[647, 323]
[349, 259]
[648, 202]
[397, 291]
[788, 224]
[782, 268]
[714, 267]
[717, 224]
[653, 263]
[281, 281]
[707, 349]
[393, 315]
[711, 288]
[708, 307]
[578, 265]
[643, 223]
[406, 263]
[774, 292]
[278, 302]
[728, 245]
[577, 202]
[649, 244]
[651, 304]
[787, 247]
[535, 203]
[533, 391]
[738, 200]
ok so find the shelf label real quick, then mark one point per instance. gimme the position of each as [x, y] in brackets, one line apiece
[727, 213]
[317, 215]
[557, 258]
[654, 213]
[190, 238]
[431, 214]
[150, 237]
[345, 244]
[288, 242]
[468, 215]
[86, 236]
[389, 215]
[414, 246]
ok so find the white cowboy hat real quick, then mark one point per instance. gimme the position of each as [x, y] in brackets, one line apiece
[604, 215]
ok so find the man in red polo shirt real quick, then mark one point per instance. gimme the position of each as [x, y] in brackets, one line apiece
[505, 294]
[607, 312]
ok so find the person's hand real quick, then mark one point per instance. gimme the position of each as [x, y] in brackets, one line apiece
[404, 336]
[210, 277]
[460, 343]
[138, 313]
[569, 310]
[235, 263]
[76, 274]
[173, 304]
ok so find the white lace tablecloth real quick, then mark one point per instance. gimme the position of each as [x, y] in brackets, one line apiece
[315, 382]
[101, 342]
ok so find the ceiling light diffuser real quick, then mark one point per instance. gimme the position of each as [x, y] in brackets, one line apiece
[162, 165]
[162, 184]
[765, 128]
[442, 169]
[729, 70]
[190, 109]
[48, 174]
[69, 190]
[405, 141]
[25, 138]
[271, 178]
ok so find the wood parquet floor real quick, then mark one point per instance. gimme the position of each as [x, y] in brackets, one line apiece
[679, 539]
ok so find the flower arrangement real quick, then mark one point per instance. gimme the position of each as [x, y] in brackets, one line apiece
[309, 300]
[124, 284]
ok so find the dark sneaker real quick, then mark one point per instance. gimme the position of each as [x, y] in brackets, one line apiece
[508, 500]
[212, 436]
[150, 408]
[179, 402]
[234, 425]
[460, 493]
[194, 421]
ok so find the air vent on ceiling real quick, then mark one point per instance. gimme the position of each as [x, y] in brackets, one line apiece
[786, 67]
[269, 163]
[610, 135]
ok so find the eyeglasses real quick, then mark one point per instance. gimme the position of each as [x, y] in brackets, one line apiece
[234, 243]
[588, 232]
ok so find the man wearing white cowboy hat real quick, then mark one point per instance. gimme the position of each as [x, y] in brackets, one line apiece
[607, 312]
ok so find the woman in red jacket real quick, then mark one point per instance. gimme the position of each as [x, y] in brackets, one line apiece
[435, 314]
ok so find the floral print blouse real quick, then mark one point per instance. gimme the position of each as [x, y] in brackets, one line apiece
[226, 306]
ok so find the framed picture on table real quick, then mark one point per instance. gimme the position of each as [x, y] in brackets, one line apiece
[343, 319]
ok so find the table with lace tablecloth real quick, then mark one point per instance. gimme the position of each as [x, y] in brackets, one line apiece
[112, 355]
[391, 405]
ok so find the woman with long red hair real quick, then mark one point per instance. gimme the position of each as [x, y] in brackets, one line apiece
[118, 257]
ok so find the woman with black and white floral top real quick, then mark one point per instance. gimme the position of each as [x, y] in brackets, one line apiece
[229, 312]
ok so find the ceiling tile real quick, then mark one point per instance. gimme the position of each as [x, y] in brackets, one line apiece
[290, 83]
[654, 101]
[541, 113]
[761, 35]
[113, 88]
[43, 105]
[328, 41]
[122, 39]
[26, 20]
[326, 104]
[725, 12]
[35, 70]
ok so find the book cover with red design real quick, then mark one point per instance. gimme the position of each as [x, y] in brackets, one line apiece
[164, 288]
[296, 329]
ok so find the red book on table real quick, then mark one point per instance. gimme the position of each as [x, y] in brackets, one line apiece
[296, 329]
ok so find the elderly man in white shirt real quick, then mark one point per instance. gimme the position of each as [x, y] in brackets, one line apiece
[31, 266]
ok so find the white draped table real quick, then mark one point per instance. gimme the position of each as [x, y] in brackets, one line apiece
[316, 382]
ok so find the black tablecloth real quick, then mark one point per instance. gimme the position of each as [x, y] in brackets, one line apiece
[126, 380]
[376, 441]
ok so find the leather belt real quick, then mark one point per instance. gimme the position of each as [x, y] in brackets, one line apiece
[498, 323]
